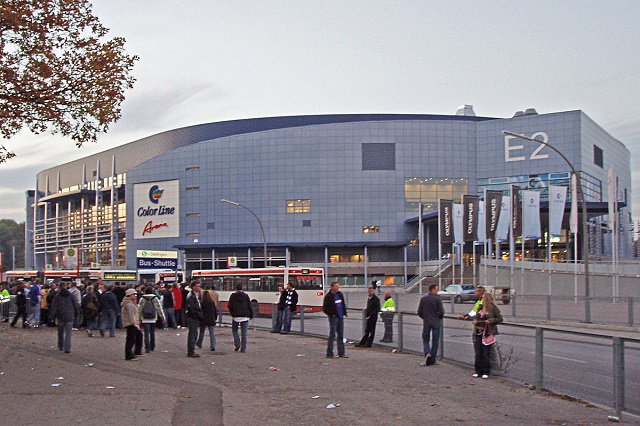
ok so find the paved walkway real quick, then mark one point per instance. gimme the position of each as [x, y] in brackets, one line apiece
[280, 380]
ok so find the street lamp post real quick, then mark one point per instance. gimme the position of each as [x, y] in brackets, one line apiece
[264, 236]
[585, 235]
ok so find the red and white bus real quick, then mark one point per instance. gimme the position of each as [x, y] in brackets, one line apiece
[261, 284]
[22, 275]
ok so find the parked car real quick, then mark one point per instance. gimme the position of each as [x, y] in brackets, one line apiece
[460, 292]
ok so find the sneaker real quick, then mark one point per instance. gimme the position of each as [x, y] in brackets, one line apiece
[343, 356]
[75, 329]
[475, 375]
[332, 356]
[237, 348]
[484, 376]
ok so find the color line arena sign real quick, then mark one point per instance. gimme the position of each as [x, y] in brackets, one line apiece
[155, 259]
[156, 211]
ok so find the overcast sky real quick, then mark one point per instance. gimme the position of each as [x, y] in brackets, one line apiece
[205, 61]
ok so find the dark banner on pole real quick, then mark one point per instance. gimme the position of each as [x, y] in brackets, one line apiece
[446, 222]
[493, 206]
[516, 212]
[470, 206]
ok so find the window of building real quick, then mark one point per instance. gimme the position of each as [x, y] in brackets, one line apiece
[429, 190]
[378, 156]
[598, 156]
[306, 223]
[192, 169]
[193, 234]
[370, 228]
[211, 225]
[193, 214]
[193, 188]
[298, 206]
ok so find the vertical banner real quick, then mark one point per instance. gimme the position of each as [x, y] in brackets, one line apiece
[446, 222]
[531, 215]
[516, 213]
[611, 198]
[457, 224]
[557, 201]
[481, 223]
[470, 205]
[573, 216]
[493, 206]
[502, 230]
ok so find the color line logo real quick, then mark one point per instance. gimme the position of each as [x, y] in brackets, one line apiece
[155, 193]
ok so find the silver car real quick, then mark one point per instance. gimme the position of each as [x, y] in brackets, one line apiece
[460, 293]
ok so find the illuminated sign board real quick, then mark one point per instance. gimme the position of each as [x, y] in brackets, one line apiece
[156, 209]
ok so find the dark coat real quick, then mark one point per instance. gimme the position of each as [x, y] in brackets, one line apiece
[64, 307]
[209, 313]
[373, 306]
[239, 305]
[329, 304]
[294, 299]
[109, 302]
[88, 313]
[431, 310]
[282, 300]
[194, 309]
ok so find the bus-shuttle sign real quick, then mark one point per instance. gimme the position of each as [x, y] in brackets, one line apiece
[155, 259]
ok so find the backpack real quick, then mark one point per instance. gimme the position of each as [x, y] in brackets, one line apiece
[91, 308]
[149, 309]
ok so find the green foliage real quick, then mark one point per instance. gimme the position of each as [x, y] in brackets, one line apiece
[58, 70]
[11, 235]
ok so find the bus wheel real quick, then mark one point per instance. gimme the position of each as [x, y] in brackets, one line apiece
[255, 306]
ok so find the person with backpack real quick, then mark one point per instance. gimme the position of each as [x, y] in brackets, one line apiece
[90, 308]
[149, 310]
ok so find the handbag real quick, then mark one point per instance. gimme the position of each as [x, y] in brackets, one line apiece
[487, 337]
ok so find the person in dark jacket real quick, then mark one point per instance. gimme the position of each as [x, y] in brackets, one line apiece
[167, 306]
[371, 313]
[194, 317]
[90, 308]
[21, 305]
[64, 310]
[53, 290]
[335, 308]
[431, 311]
[209, 316]
[240, 309]
[109, 310]
[290, 306]
[277, 325]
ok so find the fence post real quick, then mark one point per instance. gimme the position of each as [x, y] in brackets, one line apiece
[548, 307]
[631, 311]
[618, 376]
[302, 319]
[440, 354]
[364, 321]
[513, 305]
[587, 309]
[220, 314]
[539, 360]
[452, 305]
[400, 334]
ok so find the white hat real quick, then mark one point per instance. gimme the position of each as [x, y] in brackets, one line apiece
[129, 292]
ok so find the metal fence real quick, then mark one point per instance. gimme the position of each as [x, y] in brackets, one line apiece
[597, 368]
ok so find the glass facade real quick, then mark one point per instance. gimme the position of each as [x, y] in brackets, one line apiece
[429, 190]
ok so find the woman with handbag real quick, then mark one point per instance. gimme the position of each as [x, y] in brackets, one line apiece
[485, 329]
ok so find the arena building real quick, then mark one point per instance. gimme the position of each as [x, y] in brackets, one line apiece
[339, 191]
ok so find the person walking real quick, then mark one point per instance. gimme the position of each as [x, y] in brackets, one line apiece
[77, 294]
[167, 307]
[21, 306]
[64, 310]
[277, 326]
[177, 304]
[35, 297]
[371, 314]
[388, 312]
[209, 316]
[431, 311]
[149, 310]
[110, 310]
[335, 308]
[90, 308]
[194, 316]
[131, 323]
[240, 309]
[290, 306]
[485, 322]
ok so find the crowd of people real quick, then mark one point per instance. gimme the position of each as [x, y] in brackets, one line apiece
[141, 309]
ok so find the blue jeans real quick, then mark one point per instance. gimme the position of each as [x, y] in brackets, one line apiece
[434, 331]
[92, 324]
[64, 335]
[149, 329]
[287, 315]
[109, 321]
[244, 326]
[170, 318]
[35, 315]
[212, 336]
[194, 326]
[336, 326]
[277, 327]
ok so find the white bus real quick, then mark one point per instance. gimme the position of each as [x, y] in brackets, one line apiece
[261, 284]
[153, 276]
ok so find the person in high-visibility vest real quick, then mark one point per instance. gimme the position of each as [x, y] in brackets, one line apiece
[388, 311]
[5, 299]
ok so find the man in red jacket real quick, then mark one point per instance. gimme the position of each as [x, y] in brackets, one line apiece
[177, 303]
